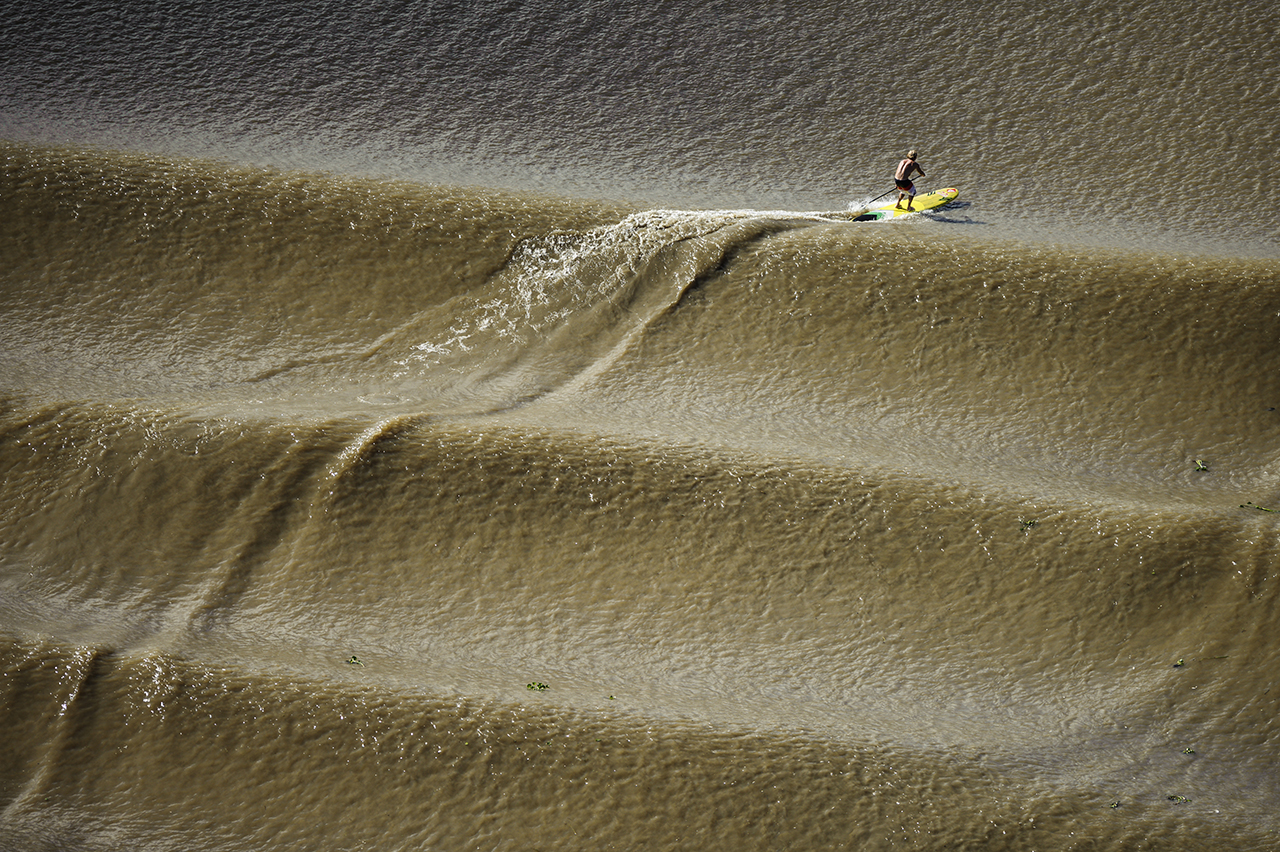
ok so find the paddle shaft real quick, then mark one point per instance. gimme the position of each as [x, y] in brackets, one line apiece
[883, 194]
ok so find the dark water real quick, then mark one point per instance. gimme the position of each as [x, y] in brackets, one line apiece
[448, 427]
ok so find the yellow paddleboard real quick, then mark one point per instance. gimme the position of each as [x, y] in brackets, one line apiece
[928, 201]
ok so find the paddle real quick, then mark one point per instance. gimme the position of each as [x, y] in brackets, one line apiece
[882, 195]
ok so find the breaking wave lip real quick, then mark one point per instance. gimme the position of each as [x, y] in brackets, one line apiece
[566, 305]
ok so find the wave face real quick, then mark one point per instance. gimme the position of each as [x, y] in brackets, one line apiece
[406, 449]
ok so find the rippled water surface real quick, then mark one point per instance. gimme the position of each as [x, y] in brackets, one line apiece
[483, 427]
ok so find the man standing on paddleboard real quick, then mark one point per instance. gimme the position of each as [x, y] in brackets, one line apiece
[902, 179]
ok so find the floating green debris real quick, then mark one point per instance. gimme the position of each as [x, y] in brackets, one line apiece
[1026, 525]
[1249, 504]
[1115, 805]
[1178, 800]
[354, 660]
[1179, 664]
[537, 685]
[1202, 465]
[1188, 750]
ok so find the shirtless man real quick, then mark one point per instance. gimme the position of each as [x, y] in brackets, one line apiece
[902, 179]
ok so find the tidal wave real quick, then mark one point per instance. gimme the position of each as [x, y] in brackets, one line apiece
[500, 502]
